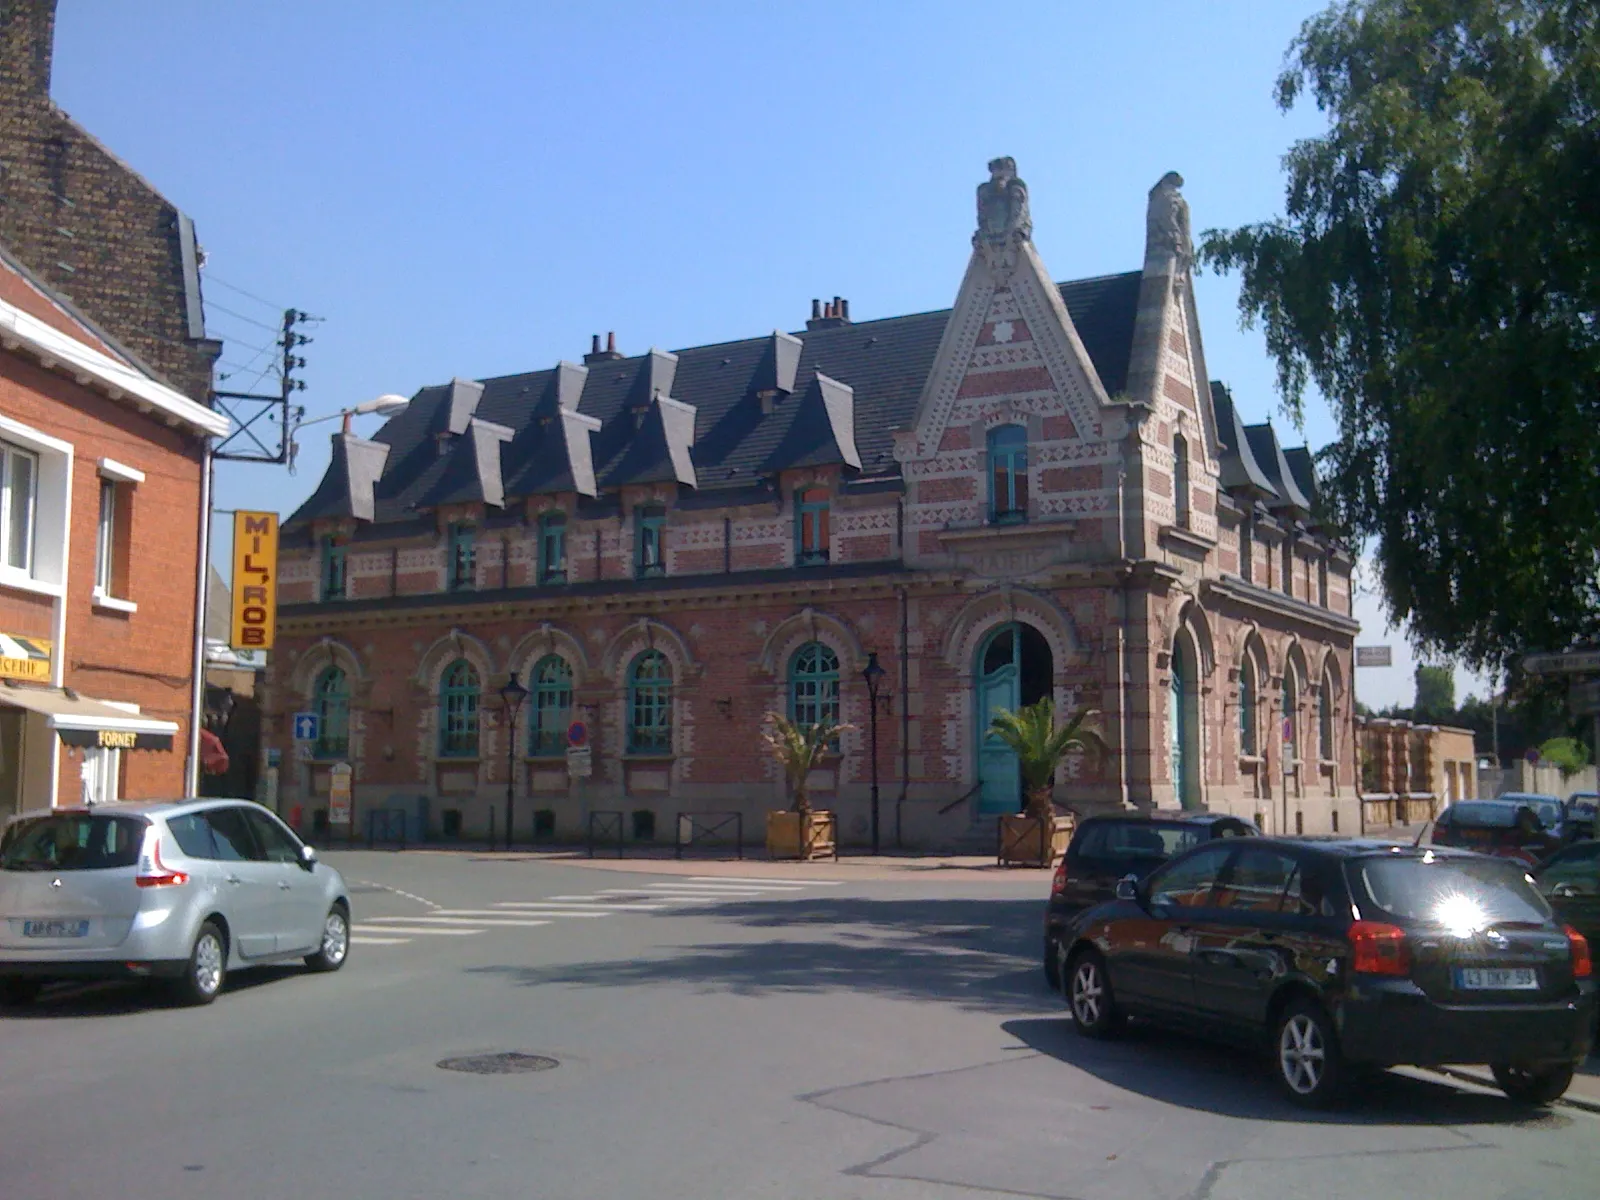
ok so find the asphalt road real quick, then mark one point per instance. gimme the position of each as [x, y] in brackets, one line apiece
[869, 1039]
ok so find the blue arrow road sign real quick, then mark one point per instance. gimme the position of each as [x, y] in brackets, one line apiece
[305, 727]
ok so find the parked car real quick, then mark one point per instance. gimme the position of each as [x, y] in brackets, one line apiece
[1526, 827]
[1106, 849]
[1583, 814]
[181, 891]
[1570, 881]
[1343, 954]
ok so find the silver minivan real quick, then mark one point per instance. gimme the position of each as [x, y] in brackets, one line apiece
[182, 891]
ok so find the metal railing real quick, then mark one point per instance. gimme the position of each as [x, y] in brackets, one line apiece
[604, 825]
[709, 829]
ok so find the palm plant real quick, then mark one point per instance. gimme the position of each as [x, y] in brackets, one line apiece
[798, 748]
[1040, 746]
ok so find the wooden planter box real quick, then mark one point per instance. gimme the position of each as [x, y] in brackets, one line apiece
[784, 836]
[1029, 842]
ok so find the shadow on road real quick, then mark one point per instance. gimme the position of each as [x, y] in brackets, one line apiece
[976, 953]
[111, 998]
[1176, 1069]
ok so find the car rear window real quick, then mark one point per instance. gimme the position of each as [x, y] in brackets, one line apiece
[1463, 894]
[1480, 816]
[73, 842]
[1137, 839]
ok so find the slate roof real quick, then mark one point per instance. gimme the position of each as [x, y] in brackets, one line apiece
[738, 438]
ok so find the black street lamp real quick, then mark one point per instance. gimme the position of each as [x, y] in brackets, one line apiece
[873, 674]
[512, 695]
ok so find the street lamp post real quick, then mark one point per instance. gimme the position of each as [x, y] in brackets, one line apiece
[873, 674]
[512, 695]
[387, 405]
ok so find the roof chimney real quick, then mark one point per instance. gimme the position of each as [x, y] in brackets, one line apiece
[27, 42]
[833, 313]
[598, 355]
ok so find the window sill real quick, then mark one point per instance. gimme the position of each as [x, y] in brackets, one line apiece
[1009, 518]
[1251, 760]
[101, 600]
[12, 578]
[649, 756]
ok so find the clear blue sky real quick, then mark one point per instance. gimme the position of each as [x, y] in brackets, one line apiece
[474, 187]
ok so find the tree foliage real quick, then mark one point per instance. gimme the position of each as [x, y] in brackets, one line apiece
[798, 749]
[1569, 754]
[1040, 745]
[1436, 276]
[1436, 693]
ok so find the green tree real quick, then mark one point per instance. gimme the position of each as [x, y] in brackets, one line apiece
[1435, 277]
[1436, 694]
[1040, 746]
[1569, 754]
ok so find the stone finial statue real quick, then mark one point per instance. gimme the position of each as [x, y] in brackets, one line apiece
[1167, 220]
[1003, 203]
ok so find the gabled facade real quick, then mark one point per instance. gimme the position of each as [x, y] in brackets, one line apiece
[1036, 492]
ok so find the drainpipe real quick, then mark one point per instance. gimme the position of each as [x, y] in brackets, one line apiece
[905, 718]
[1122, 635]
[191, 783]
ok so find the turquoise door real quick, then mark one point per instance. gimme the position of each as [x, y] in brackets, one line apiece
[1179, 723]
[999, 686]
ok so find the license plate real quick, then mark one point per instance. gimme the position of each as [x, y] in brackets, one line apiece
[1497, 979]
[55, 929]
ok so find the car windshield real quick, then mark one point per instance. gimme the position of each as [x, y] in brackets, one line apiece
[72, 842]
[1464, 895]
[1138, 839]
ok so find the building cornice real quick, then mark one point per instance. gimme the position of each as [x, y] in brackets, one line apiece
[1234, 588]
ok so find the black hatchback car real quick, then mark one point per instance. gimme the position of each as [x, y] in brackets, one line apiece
[1343, 954]
[1106, 849]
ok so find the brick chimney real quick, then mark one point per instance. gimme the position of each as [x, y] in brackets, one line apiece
[829, 315]
[27, 38]
[597, 355]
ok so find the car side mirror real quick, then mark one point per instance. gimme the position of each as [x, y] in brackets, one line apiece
[1128, 887]
[308, 857]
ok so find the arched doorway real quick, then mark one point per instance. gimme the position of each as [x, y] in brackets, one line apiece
[1183, 724]
[1014, 668]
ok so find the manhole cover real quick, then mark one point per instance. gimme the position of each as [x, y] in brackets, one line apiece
[509, 1063]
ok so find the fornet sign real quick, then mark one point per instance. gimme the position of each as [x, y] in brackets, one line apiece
[255, 579]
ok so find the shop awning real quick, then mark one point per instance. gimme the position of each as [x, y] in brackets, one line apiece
[84, 722]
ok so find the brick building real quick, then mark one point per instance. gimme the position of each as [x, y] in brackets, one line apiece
[101, 502]
[1036, 492]
[87, 225]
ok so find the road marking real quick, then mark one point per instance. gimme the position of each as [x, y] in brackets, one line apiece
[714, 888]
[358, 939]
[482, 922]
[643, 895]
[430, 930]
[746, 879]
[502, 914]
[409, 896]
[593, 906]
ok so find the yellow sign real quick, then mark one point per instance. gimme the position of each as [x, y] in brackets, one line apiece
[255, 579]
[25, 658]
[117, 739]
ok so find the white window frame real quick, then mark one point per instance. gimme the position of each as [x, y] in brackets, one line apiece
[114, 477]
[52, 510]
[10, 455]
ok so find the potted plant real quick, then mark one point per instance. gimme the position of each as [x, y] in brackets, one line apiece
[801, 832]
[1035, 837]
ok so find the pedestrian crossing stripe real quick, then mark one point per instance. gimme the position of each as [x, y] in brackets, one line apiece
[579, 909]
[773, 882]
[413, 929]
[358, 939]
[508, 920]
[530, 911]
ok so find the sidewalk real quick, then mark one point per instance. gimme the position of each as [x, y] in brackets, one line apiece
[1584, 1092]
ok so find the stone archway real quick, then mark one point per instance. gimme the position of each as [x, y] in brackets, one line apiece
[1012, 667]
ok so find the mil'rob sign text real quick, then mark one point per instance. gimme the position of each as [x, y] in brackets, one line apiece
[255, 579]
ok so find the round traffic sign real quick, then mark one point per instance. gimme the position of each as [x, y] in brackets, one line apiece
[577, 734]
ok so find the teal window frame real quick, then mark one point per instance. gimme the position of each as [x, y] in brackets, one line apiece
[650, 704]
[650, 552]
[335, 578]
[1325, 720]
[811, 520]
[814, 685]
[1249, 702]
[553, 548]
[460, 693]
[550, 707]
[1008, 474]
[331, 703]
[463, 560]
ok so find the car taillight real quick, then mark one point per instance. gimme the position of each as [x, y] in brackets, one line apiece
[1379, 949]
[1578, 947]
[1058, 881]
[155, 873]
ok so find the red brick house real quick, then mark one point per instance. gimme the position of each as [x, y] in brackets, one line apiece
[102, 497]
[1038, 492]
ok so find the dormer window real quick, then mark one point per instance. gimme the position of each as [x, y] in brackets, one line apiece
[811, 526]
[553, 548]
[334, 578]
[1008, 475]
[650, 522]
[463, 558]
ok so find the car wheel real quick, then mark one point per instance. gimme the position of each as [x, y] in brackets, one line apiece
[335, 946]
[206, 969]
[1307, 1055]
[1533, 1085]
[18, 993]
[1052, 964]
[1089, 997]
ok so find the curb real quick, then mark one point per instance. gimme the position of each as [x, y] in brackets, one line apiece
[1587, 1103]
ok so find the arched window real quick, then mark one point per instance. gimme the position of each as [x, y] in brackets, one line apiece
[553, 548]
[814, 685]
[1325, 720]
[1180, 478]
[1291, 731]
[551, 711]
[650, 704]
[1247, 706]
[332, 706]
[459, 692]
[1008, 475]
